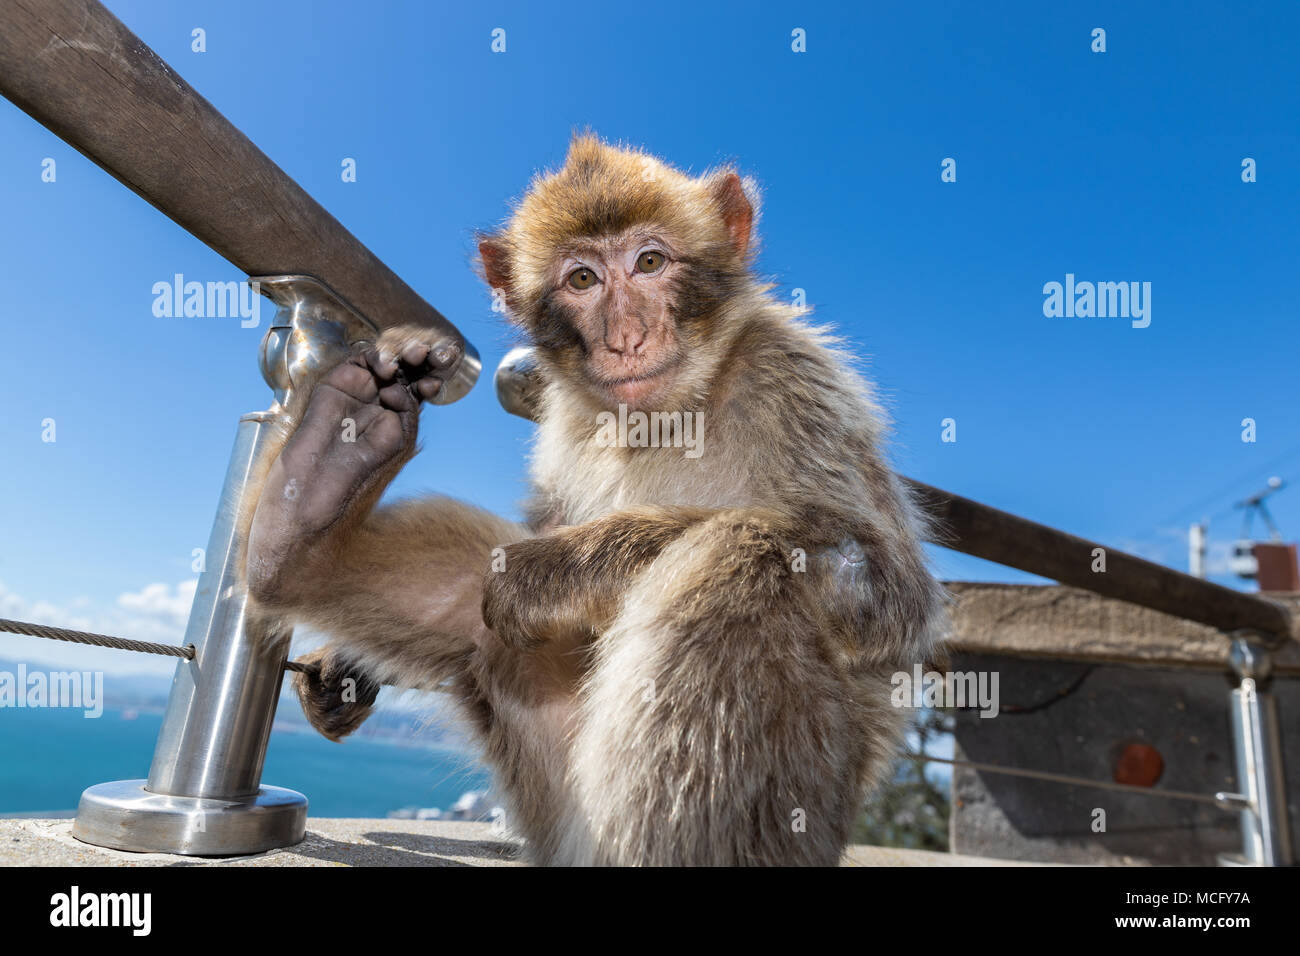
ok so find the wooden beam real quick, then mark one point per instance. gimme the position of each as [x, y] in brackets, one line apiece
[973, 528]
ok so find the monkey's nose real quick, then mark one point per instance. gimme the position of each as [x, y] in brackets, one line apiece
[625, 340]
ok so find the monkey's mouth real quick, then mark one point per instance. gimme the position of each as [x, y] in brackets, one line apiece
[633, 390]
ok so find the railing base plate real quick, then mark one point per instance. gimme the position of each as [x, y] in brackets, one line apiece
[124, 815]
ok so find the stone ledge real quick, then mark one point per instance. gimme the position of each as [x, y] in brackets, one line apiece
[357, 842]
[1065, 623]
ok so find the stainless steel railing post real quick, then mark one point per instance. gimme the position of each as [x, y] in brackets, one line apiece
[204, 795]
[1265, 827]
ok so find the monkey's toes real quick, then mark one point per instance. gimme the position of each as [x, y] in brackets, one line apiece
[337, 697]
[416, 359]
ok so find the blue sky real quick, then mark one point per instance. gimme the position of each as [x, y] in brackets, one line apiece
[1121, 166]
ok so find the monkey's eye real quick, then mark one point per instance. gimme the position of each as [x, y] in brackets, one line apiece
[582, 278]
[650, 262]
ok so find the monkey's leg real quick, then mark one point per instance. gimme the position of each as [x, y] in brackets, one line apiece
[400, 595]
[315, 554]
[400, 590]
[401, 603]
[719, 724]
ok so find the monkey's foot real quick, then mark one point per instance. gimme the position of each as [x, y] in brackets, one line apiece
[359, 427]
[361, 417]
[338, 697]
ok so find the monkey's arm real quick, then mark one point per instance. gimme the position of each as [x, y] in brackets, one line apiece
[570, 581]
[865, 577]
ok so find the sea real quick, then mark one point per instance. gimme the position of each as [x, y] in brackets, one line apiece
[49, 756]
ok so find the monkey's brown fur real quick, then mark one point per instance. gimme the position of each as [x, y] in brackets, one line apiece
[655, 676]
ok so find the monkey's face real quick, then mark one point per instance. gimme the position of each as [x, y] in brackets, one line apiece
[621, 271]
[612, 316]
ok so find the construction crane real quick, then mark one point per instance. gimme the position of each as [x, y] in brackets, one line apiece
[1271, 562]
[1244, 563]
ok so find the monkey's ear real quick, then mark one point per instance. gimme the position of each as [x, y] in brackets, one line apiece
[495, 262]
[737, 212]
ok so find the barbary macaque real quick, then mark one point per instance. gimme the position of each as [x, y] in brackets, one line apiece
[676, 659]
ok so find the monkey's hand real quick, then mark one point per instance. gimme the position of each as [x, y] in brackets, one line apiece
[337, 697]
[358, 429]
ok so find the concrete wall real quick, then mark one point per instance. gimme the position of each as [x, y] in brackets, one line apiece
[1042, 641]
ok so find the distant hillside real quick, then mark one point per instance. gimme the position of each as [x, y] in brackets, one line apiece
[420, 720]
